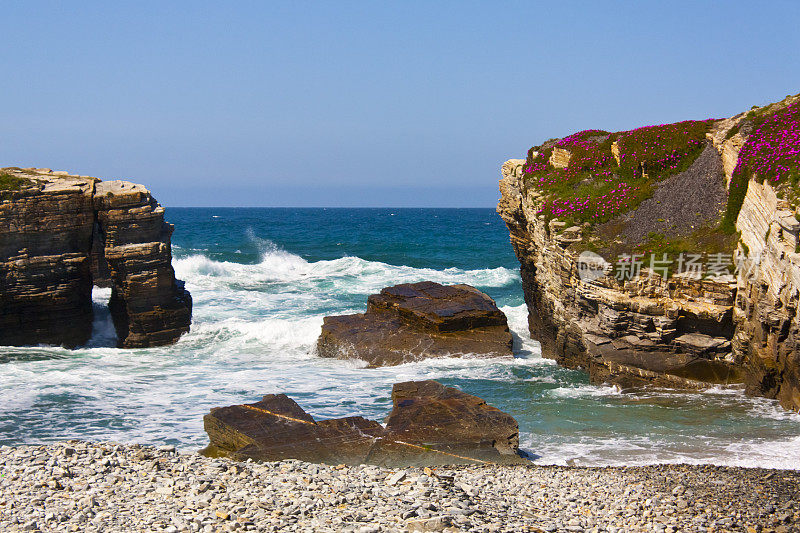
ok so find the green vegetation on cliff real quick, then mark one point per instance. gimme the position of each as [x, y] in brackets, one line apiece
[771, 153]
[593, 176]
[10, 182]
[652, 190]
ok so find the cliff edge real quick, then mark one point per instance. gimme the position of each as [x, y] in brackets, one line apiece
[61, 234]
[666, 255]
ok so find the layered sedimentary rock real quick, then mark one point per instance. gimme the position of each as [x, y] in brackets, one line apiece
[685, 330]
[673, 332]
[61, 234]
[430, 424]
[415, 321]
[149, 306]
[427, 416]
[45, 280]
[766, 312]
[276, 428]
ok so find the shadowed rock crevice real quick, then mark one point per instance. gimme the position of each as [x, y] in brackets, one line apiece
[61, 234]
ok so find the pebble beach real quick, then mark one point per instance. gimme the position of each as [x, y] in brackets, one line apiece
[81, 486]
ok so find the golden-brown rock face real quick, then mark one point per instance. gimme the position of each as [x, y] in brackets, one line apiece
[766, 313]
[681, 331]
[646, 330]
[60, 234]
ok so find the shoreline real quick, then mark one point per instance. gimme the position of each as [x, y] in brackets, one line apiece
[84, 486]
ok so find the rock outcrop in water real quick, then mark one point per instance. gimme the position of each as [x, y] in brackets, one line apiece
[430, 424]
[416, 321]
[736, 324]
[61, 234]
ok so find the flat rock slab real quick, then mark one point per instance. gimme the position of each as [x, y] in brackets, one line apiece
[276, 428]
[416, 321]
[429, 425]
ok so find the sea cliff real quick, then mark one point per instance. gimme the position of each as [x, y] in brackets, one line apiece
[666, 255]
[61, 234]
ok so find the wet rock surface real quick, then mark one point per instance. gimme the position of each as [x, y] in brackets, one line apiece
[61, 234]
[79, 486]
[416, 321]
[430, 424]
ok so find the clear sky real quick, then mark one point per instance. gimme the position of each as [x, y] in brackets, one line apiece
[365, 103]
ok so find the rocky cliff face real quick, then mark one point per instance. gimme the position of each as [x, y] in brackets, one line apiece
[683, 329]
[766, 310]
[61, 234]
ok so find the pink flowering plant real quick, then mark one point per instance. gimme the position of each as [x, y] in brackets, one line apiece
[590, 152]
[595, 188]
[771, 153]
[662, 150]
[591, 208]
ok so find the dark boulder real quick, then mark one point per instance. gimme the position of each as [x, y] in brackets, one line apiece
[277, 428]
[430, 424]
[449, 425]
[416, 321]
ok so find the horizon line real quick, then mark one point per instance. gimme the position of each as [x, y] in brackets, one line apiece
[315, 207]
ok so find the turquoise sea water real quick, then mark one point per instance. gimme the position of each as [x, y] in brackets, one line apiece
[262, 279]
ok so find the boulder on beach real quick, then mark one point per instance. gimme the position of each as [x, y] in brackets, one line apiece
[276, 428]
[430, 424]
[416, 321]
[451, 423]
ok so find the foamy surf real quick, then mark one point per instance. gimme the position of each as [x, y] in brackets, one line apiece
[254, 332]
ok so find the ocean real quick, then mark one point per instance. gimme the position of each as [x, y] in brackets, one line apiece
[262, 279]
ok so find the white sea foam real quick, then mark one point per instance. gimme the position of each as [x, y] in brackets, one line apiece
[254, 332]
[103, 332]
[638, 451]
[579, 391]
[278, 265]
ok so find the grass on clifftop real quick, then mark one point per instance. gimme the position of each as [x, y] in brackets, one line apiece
[611, 174]
[10, 182]
[596, 187]
[771, 153]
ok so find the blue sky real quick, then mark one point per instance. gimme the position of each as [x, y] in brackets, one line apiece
[364, 103]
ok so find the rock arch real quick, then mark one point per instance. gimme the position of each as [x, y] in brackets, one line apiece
[61, 234]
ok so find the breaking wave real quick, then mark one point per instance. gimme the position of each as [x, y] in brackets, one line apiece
[254, 332]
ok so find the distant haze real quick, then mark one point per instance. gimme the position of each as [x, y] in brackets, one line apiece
[364, 103]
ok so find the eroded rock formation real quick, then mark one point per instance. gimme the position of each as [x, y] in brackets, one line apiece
[681, 331]
[415, 321]
[766, 311]
[430, 424]
[61, 234]
[672, 332]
